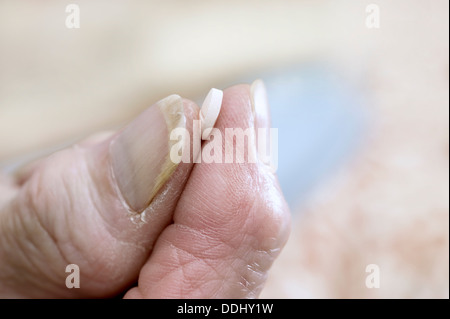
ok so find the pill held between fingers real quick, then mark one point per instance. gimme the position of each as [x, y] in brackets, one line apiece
[210, 110]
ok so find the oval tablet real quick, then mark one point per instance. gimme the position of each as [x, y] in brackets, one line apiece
[210, 110]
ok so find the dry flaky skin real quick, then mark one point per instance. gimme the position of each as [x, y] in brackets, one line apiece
[380, 210]
[389, 205]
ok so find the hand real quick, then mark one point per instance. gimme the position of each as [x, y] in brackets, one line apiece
[139, 225]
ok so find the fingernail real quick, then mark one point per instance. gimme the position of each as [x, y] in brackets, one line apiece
[260, 104]
[266, 137]
[140, 153]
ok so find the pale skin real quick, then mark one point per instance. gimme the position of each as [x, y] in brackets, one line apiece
[212, 231]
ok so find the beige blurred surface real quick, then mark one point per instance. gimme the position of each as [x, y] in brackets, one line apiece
[62, 83]
[388, 206]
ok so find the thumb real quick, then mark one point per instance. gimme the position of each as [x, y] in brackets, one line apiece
[231, 221]
[100, 205]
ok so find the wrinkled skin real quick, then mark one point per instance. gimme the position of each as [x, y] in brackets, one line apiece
[212, 231]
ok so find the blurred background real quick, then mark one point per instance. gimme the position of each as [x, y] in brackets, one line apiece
[362, 113]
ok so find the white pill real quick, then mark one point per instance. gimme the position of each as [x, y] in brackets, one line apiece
[210, 110]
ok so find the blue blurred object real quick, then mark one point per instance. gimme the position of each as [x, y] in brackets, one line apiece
[320, 122]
